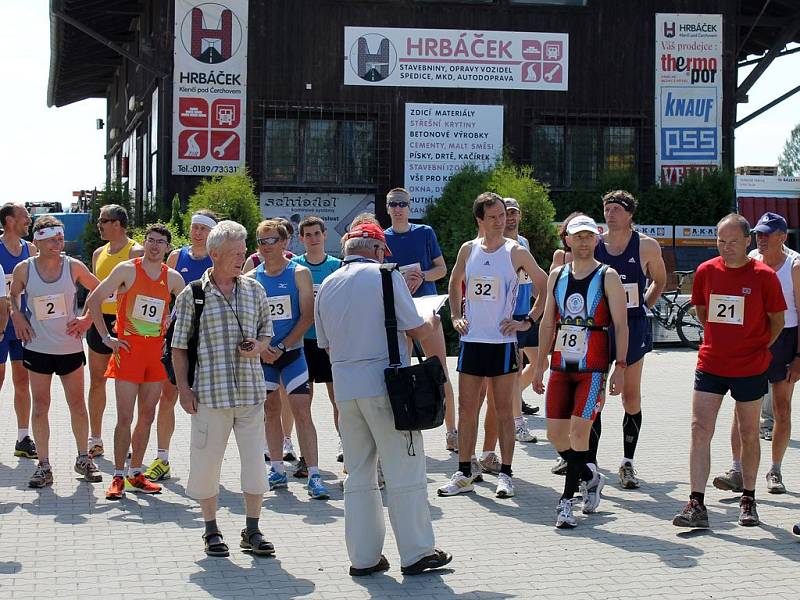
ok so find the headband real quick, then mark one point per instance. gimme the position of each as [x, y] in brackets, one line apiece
[398, 195]
[204, 220]
[623, 202]
[47, 232]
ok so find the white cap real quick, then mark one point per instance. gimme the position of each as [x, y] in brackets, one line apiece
[582, 223]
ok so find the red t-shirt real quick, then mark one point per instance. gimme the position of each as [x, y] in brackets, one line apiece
[737, 328]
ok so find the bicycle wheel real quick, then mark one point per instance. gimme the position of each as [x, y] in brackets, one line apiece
[690, 329]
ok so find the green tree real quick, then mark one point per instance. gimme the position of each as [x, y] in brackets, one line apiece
[176, 219]
[230, 196]
[789, 160]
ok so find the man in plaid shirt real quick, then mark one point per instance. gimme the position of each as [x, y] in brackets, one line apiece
[229, 388]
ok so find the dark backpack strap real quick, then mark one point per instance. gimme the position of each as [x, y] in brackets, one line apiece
[390, 318]
[199, 297]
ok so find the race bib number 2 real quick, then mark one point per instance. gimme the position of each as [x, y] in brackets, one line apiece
[49, 307]
[483, 288]
[726, 309]
[148, 308]
[571, 339]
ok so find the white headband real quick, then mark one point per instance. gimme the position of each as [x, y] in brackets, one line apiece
[47, 232]
[204, 220]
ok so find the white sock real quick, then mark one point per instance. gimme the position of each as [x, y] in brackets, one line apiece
[22, 434]
[313, 471]
[278, 466]
[485, 455]
[625, 461]
[519, 422]
[163, 455]
[136, 470]
[95, 441]
[737, 466]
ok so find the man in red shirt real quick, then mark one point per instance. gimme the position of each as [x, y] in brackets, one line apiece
[740, 303]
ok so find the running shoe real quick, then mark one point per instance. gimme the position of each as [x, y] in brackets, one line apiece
[97, 450]
[477, 472]
[560, 468]
[158, 470]
[490, 464]
[775, 483]
[437, 560]
[692, 515]
[452, 440]
[339, 452]
[288, 450]
[25, 448]
[766, 434]
[748, 515]
[301, 472]
[565, 518]
[527, 409]
[42, 476]
[523, 434]
[627, 476]
[458, 484]
[505, 486]
[316, 489]
[85, 466]
[142, 485]
[277, 480]
[117, 488]
[730, 481]
[591, 493]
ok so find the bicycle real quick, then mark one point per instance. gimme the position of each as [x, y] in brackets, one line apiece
[680, 316]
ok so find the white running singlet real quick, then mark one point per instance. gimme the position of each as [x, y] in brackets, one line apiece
[491, 293]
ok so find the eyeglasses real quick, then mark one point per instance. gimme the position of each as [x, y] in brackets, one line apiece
[268, 241]
[161, 242]
[104, 221]
[397, 204]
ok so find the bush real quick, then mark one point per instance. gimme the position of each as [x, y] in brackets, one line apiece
[230, 196]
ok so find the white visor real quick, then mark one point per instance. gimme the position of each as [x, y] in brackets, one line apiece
[582, 223]
[47, 232]
[204, 220]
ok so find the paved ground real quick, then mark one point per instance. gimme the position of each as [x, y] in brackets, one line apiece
[69, 541]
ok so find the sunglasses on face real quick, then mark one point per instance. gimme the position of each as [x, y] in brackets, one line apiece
[397, 204]
[268, 241]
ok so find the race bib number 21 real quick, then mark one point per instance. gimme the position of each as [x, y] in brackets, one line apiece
[726, 309]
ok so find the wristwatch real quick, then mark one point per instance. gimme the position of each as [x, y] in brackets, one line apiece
[280, 346]
[530, 320]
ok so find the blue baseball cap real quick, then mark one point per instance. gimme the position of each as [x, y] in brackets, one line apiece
[770, 223]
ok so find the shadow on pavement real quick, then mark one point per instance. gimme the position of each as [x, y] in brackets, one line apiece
[222, 578]
[383, 585]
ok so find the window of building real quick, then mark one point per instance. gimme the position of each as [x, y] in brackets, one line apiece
[574, 156]
[319, 151]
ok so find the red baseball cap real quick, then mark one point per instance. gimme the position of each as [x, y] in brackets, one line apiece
[369, 230]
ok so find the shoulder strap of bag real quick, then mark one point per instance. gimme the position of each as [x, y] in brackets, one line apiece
[199, 296]
[390, 318]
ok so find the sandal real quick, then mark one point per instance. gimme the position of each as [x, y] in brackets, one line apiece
[253, 541]
[215, 548]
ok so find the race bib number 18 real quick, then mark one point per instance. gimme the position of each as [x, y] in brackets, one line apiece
[571, 339]
[483, 288]
[726, 309]
[8, 284]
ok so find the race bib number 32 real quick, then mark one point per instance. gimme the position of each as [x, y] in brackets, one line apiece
[280, 307]
[726, 309]
[483, 288]
[49, 307]
[147, 308]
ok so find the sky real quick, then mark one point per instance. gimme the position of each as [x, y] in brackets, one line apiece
[49, 152]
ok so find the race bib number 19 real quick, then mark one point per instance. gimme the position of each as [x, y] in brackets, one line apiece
[571, 339]
[726, 309]
[147, 308]
[49, 307]
[280, 307]
[483, 288]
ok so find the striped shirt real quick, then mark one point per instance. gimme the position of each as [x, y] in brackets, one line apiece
[223, 378]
